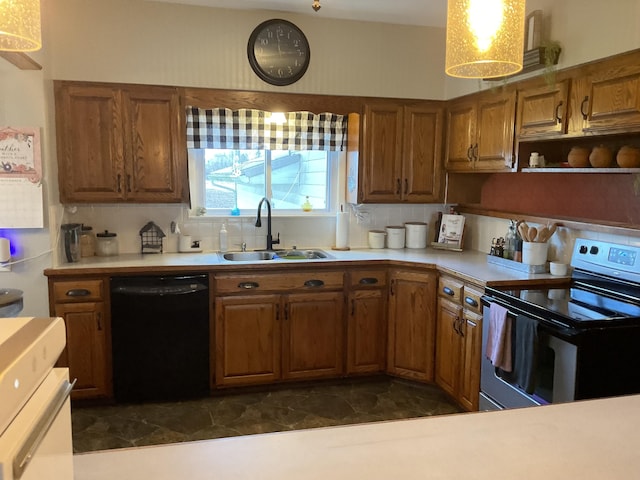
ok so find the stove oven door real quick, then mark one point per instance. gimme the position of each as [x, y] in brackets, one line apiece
[552, 375]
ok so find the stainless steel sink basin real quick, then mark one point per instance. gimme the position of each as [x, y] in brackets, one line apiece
[303, 254]
[249, 256]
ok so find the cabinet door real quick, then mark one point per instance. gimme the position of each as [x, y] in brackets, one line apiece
[612, 99]
[366, 331]
[86, 353]
[382, 153]
[411, 341]
[448, 346]
[461, 135]
[90, 143]
[247, 338]
[543, 110]
[155, 159]
[494, 144]
[313, 335]
[469, 392]
[421, 154]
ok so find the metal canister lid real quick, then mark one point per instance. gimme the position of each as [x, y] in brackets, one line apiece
[106, 234]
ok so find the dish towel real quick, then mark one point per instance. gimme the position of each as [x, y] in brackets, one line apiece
[498, 348]
[526, 352]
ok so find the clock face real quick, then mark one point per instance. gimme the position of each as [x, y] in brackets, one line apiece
[278, 52]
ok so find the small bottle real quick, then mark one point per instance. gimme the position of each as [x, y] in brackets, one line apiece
[306, 206]
[510, 241]
[223, 238]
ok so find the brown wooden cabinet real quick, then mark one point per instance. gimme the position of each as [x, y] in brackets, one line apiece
[459, 341]
[120, 143]
[480, 132]
[412, 319]
[87, 353]
[400, 154]
[278, 326]
[543, 110]
[366, 322]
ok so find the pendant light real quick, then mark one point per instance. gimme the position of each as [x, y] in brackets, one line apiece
[485, 38]
[20, 25]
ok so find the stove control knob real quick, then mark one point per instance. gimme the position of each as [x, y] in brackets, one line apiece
[593, 251]
[583, 249]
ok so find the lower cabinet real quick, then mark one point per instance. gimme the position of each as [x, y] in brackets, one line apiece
[87, 353]
[459, 341]
[412, 327]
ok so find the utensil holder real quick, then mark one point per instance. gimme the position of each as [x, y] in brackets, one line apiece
[535, 253]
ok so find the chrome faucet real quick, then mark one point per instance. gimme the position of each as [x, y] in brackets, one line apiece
[270, 241]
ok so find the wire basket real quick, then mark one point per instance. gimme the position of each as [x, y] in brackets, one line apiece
[151, 238]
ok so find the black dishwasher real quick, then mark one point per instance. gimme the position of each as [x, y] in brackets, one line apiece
[160, 337]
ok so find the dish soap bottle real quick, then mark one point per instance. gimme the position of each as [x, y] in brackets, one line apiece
[223, 238]
[306, 206]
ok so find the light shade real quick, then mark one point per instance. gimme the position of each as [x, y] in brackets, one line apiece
[485, 38]
[20, 25]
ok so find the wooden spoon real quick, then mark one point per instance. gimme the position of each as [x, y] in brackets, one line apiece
[523, 228]
[552, 230]
[543, 235]
[533, 233]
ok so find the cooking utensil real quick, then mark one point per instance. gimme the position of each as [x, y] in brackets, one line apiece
[533, 233]
[543, 235]
[523, 229]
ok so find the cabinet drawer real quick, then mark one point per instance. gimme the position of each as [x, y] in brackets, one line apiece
[450, 288]
[78, 291]
[367, 278]
[287, 282]
[471, 299]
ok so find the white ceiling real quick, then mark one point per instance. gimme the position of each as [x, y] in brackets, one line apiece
[431, 13]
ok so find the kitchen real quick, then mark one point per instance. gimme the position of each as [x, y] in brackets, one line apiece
[142, 52]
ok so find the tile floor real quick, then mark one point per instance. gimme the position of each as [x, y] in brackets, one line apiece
[285, 408]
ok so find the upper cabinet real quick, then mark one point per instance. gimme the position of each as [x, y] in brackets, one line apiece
[121, 143]
[399, 155]
[480, 132]
[543, 110]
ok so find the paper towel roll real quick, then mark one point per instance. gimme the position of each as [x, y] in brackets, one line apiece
[5, 250]
[342, 230]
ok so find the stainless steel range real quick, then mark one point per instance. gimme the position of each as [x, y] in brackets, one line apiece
[563, 344]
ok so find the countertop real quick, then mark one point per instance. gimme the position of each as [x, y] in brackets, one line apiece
[469, 265]
[592, 439]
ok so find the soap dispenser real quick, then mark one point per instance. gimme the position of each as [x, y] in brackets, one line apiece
[223, 238]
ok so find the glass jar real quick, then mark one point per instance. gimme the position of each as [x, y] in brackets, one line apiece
[87, 242]
[106, 244]
[510, 241]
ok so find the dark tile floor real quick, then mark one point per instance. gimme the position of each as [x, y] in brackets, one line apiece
[285, 408]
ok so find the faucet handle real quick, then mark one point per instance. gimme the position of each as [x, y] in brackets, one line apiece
[243, 246]
[276, 242]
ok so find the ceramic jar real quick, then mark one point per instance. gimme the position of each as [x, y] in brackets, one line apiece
[578, 157]
[628, 157]
[601, 157]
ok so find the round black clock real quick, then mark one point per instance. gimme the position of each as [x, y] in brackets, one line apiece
[278, 52]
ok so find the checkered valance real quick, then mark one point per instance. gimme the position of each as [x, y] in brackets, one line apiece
[247, 129]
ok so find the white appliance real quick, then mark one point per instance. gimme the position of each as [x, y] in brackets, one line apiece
[35, 411]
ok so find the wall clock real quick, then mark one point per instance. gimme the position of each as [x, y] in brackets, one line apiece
[278, 52]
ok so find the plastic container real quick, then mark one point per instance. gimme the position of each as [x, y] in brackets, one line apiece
[106, 244]
[558, 268]
[395, 236]
[224, 242]
[416, 234]
[534, 253]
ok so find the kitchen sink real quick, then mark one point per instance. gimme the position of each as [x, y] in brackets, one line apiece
[249, 256]
[312, 254]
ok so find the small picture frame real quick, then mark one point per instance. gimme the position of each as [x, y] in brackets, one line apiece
[533, 30]
[451, 231]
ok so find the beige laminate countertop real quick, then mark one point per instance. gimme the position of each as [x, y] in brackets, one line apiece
[470, 265]
[593, 439]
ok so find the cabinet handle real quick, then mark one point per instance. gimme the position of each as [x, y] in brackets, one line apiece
[393, 287]
[78, 292]
[119, 183]
[353, 307]
[558, 117]
[286, 311]
[398, 187]
[406, 186]
[473, 324]
[314, 283]
[582, 105]
[455, 325]
[470, 153]
[128, 183]
[460, 331]
[448, 291]
[278, 313]
[99, 320]
[368, 281]
[248, 285]
[475, 152]
[471, 301]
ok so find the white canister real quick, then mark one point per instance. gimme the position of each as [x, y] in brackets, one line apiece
[395, 236]
[416, 234]
[376, 238]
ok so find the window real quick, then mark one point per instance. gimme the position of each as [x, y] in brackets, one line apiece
[238, 157]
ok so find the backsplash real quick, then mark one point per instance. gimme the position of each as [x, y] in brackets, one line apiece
[303, 231]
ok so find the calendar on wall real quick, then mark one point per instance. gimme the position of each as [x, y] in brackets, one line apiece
[21, 204]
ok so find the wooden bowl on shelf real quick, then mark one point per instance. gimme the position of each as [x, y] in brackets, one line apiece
[628, 157]
[601, 157]
[579, 157]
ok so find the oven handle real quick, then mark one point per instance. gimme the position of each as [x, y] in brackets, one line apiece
[28, 449]
[514, 311]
